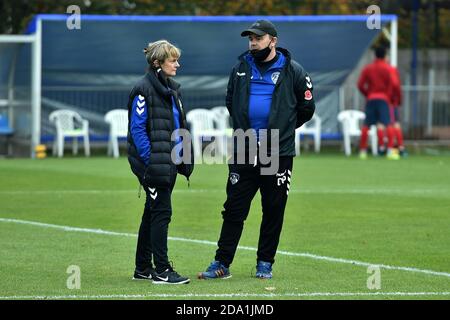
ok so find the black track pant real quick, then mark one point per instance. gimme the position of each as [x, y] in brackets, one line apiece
[243, 183]
[153, 232]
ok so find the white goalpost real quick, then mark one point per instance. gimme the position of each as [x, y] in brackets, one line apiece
[36, 75]
[392, 36]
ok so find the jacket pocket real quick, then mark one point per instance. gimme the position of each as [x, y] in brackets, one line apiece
[140, 170]
[185, 169]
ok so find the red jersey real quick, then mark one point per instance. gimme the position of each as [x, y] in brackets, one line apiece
[376, 81]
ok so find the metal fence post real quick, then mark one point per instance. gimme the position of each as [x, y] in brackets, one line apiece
[430, 101]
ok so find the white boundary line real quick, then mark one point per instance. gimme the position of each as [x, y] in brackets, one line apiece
[287, 253]
[392, 191]
[232, 295]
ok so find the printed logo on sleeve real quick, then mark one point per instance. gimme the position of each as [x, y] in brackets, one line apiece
[140, 105]
[308, 82]
[308, 95]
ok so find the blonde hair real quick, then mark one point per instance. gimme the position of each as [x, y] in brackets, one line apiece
[160, 50]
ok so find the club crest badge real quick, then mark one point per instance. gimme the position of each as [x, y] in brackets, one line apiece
[234, 178]
[275, 76]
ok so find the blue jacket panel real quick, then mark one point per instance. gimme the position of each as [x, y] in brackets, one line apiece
[178, 142]
[261, 90]
[138, 128]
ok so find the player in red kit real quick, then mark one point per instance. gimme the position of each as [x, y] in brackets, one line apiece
[376, 84]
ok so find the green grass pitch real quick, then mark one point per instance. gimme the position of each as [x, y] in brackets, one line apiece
[390, 213]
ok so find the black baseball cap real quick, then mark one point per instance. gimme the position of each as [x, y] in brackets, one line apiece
[260, 28]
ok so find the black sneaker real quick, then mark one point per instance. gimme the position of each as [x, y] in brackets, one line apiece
[147, 274]
[169, 277]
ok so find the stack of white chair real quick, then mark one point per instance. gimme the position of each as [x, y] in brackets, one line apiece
[65, 121]
[118, 128]
[222, 122]
[350, 121]
[312, 127]
[202, 123]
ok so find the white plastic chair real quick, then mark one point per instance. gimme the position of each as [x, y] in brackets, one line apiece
[312, 127]
[118, 128]
[64, 121]
[350, 121]
[222, 122]
[202, 125]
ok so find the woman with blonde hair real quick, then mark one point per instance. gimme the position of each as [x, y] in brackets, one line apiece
[156, 115]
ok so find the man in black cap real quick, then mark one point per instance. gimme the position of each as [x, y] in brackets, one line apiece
[267, 91]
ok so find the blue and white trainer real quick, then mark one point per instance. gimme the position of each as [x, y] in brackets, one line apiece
[264, 270]
[216, 270]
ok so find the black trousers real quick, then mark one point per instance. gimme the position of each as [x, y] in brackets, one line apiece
[153, 232]
[243, 183]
